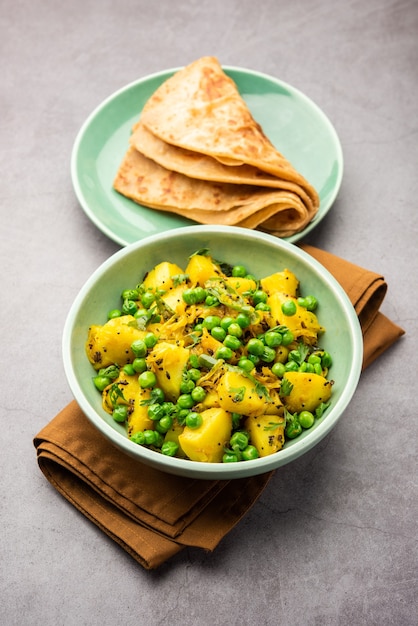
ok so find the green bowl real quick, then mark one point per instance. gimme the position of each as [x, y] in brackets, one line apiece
[262, 254]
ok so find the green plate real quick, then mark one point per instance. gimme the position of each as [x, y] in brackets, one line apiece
[294, 124]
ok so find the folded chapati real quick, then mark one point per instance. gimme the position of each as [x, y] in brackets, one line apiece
[198, 152]
[151, 185]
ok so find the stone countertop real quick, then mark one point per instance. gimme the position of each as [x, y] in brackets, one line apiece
[333, 538]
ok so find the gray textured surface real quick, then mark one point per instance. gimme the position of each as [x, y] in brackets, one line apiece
[333, 540]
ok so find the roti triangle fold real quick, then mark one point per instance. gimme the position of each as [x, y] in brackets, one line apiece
[200, 109]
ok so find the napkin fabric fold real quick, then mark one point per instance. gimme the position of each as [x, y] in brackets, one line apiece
[153, 515]
[366, 290]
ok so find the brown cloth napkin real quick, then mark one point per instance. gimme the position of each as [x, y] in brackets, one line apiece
[366, 290]
[154, 515]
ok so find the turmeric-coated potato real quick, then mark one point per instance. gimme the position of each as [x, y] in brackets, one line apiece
[111, 343]
[161, 276]
[303, 324]
[207, 442]
[307, 393]
[201, 268]
[132, 395]
[239, 394]
[282, 282]
[168, 362]
[266, 433]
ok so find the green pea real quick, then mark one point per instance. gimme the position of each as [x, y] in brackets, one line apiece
[150, 437]
[185, 401]
[101, 382]
[158, 396]
[293, 429]
[232, 342]
[169, 407]
[235, 330]
[224, 353]
[254, 358]
[155, 412]
[269, 354]
[139, 348]
[211, 321]
[243, 319]
[129, 307]
[150, 340]
[194, 420]
[169, 448]
[113, 314]
[218, 333]
[317, 368]
[229, 457]
[194, 361]
[273, 339]
[200, 294]
[291, 366]
[278, 370]
[246, 364]
[198, 394]
[287, 338]
[138, 438]
[130, 294]
[187, 386]
[211, 301]
[141, 313]
[314, 358]
[189, 296]
[147, 299]
[250, 453]
[311, 303]
[164, 424]
[262, 306]
[255, 346]
[147, 380]
[129, 369]
[259, 296]
[181, 415]
[306, 419]
[239, 439]
[326, 359]
[289, 308]
[120, 413]
[226, 322]
[239, 271]
[139, 364]
[159, 440]
[194, 374]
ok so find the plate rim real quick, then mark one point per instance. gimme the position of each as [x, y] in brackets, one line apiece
[166, 74]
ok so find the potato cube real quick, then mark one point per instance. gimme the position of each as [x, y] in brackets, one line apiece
[111, 343]
[207, 442]
[266, 433]
[201, 268]
[282, 282]
[168, 362]
[161, 276]
[307, 393]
